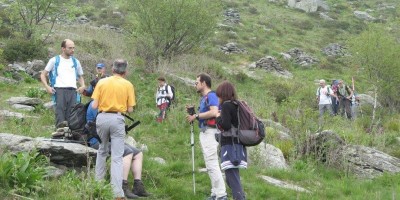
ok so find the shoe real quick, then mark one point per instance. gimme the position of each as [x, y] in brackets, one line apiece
[212, 198]
[138, 189]
[127, 192]
[57, 134]
[222, 198]
[62, 124]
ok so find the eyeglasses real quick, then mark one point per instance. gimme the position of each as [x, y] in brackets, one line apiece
[196, 83]
[99, 68]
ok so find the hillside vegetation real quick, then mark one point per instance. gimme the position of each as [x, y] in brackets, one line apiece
[265, 28]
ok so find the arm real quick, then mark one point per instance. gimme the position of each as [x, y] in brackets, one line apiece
[43, 78]
[225, 119]
[95, 104]
[82, 84]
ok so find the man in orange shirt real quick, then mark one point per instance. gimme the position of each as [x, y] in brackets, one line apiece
[113, 96]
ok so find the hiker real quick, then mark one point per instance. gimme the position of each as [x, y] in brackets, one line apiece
[112, 96]
[132, 158]
[64, 70]
[345, 95]
[207, 124]
[334, 98]
[226, 120]
[163, 98]
[323, 96]
[100, 73]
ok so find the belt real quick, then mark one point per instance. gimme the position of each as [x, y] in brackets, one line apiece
[212, 126]
[65, 88]
[113, 112]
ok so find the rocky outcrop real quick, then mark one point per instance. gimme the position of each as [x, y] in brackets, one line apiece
[300, 57]
[335, 50]
[232, 48]
[308, 5]
[363, 162]
[232, 16]
[364, 16]
[271, 64]
[59, 151]
[24, 101]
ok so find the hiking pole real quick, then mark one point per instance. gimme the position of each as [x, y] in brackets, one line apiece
[192, 144]
[191, 111]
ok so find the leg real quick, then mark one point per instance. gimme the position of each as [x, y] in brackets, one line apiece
[137, 166]
[233, 180]
[209, 146]
[102, 152]
[117, 134]
[70, 99]
[127, 165]
[60, 106]
[348, 108]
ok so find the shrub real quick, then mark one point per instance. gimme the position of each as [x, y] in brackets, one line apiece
[23, 172]
[35, 93]
[23, 50]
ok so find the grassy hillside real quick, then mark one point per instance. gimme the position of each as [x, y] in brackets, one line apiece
[265, 28]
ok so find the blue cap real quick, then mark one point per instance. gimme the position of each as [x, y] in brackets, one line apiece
[100, 65]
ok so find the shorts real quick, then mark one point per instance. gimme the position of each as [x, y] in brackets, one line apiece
[128, 149]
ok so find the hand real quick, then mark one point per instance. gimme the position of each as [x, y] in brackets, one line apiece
[81, 89]
[190, 118]
[50, 90]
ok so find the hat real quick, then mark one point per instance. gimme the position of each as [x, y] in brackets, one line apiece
[100, 65]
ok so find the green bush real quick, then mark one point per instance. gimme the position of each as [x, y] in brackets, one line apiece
[23, 50]
[35, 93]
[23, 172]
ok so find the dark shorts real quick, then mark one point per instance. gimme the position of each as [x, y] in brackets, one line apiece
[128, 149]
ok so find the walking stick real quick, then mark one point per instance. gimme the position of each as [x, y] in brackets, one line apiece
[192, 144]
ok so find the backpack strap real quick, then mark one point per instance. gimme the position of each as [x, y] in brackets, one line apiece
[54, 73]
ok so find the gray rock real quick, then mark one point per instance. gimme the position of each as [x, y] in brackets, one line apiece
[231, 48]
[34, 68]
[271, 64]
[24, 101]
[49, 105]
[335, 49]
[283, 184]
[267, 156]
[325, 16]
[158, 160]
[367, 100]
[363, 16]
[23, 107]
[17, 67]
[7, 80]
[301, 58]
[62, 153]
[6, 113]
[363, 162]
[232, 16]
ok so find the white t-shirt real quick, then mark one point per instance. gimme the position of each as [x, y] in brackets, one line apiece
[323, 95]
[66, 75]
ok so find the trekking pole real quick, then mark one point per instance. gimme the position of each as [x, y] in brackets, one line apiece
[192, 144]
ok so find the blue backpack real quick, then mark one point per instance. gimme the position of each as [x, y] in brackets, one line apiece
[54, 73]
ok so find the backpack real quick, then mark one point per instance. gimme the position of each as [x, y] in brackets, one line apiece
[77, 117]
[328, 88]
[172, 100]
[212, 121]
[251, 130]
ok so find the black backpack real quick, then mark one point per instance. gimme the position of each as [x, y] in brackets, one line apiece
[172, 100]
[77, 117]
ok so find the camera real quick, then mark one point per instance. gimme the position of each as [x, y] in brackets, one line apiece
[191, 111]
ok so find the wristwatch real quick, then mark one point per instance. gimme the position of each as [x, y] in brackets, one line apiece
[197, 116]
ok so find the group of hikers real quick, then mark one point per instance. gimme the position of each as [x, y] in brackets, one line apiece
[337, 98]
[114, 96]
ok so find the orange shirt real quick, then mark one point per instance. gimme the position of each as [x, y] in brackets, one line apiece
[114, 94]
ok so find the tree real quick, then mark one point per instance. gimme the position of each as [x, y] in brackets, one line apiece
[164, 28]
[26, 16]
[377, 51]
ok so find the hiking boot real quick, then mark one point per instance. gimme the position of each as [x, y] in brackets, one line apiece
[57, 135]
[222, 198]
[212, 198]
[127, 192]
[138, 189]
[62, 124]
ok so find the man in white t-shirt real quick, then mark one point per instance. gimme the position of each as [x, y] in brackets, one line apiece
[64, 71]
[324, 94]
